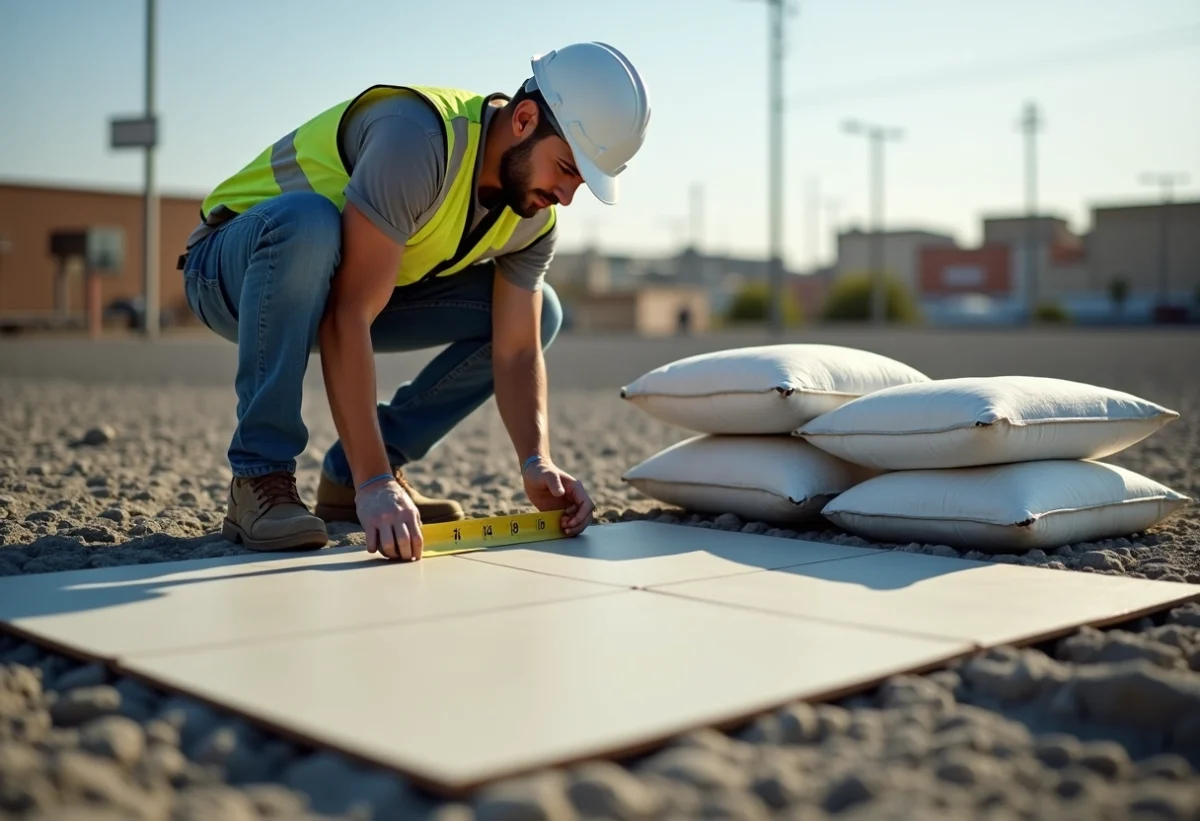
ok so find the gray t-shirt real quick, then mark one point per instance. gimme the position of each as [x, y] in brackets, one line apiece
[394, 149]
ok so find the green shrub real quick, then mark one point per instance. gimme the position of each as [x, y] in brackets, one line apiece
[1051, 312]
[849, 299]
[752, 304]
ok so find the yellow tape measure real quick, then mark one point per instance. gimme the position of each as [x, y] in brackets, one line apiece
[463, 535]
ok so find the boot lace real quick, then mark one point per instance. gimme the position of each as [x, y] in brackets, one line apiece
[278, 488]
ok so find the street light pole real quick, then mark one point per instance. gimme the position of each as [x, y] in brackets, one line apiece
[776, 166]
[1030, 124]
[877, 136]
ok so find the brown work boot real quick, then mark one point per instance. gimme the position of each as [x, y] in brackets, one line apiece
[335, 502]
[266, 513]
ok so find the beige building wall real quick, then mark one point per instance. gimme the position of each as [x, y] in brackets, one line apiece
[646, 311]
[1125, 242]
[658, 310]
[901, 253]
[28, 216]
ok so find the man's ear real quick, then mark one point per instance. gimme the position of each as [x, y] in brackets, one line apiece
[524, 119]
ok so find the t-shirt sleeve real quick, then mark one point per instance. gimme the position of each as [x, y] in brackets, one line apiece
[397, 173]
[527, 268]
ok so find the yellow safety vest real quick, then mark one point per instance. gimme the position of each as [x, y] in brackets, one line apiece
[309, 159]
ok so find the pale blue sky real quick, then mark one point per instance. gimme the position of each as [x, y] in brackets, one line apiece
[233, 76]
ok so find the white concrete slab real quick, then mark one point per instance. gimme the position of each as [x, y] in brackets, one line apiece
[984, 602]
[110, 612]
[641, 554]
[455, 702]
[464, 668]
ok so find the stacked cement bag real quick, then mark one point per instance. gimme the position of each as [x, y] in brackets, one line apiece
[996, 464]
[745, 405]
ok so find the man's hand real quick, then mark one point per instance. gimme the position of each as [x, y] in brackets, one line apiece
[390, 519]
[550, 488]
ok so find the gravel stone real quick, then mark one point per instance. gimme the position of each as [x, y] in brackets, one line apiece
[83, 704]
[117, 737]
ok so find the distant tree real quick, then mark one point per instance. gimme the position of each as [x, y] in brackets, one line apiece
[849, 299]
[751, 304]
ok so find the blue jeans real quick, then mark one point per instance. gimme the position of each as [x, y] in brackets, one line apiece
[262, 280]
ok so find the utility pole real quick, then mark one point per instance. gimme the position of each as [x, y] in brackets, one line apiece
[877, 136]
[776, 9]
[775, 171]
[1030, 124]
[1166, 181]
[832, 207]
[697, 215]
[812, 207]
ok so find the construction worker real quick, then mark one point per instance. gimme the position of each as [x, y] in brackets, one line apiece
[402, 219]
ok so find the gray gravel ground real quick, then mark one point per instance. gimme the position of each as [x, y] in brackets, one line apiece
[100, 467]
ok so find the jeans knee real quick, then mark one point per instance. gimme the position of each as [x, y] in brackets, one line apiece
[311, 228]
[552, 315]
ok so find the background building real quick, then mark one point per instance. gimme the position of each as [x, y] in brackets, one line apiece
[30, 214]
[901, 252]
[1153, 249]
[1133, 260]
[648, 311]
[1137, 263]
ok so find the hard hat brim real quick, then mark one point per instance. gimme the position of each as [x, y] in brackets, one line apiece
[604, 187]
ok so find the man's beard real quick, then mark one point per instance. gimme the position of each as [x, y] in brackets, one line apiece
[516, 170]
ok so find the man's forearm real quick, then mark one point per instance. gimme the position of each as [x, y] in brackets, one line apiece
[349, 369]
[520, 381]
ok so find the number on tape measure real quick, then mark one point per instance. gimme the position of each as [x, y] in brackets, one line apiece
[493, 531]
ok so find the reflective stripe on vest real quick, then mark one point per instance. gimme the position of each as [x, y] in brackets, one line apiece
[310, 159]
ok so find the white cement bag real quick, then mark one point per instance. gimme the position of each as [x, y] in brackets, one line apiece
[765, 389]
[1004, 508]
[992, 420]
[776, 479]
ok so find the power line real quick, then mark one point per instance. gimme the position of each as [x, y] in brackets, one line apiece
[1106, 51]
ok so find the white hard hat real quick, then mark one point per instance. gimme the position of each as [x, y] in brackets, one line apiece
[601, 107]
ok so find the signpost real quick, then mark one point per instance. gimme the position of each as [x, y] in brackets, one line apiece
[142, 132]
[134, 132]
